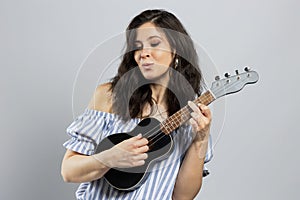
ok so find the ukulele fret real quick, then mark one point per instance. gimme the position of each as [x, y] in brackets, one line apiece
[181, 116]
[205, 99]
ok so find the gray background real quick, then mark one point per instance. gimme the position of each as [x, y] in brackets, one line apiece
[43, 44]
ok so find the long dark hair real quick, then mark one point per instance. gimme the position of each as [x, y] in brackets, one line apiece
[131, 92]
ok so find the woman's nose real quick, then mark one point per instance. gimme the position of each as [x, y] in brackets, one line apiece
[145, 53]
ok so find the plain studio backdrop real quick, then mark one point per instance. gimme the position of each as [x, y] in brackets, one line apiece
[44, 43]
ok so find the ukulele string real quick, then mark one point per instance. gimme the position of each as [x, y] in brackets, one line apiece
[185, 113]
[160, 136]
[157, 128]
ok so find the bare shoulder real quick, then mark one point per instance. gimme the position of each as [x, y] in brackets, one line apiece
[102, 98]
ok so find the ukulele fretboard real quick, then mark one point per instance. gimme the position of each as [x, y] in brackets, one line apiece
[181, 116]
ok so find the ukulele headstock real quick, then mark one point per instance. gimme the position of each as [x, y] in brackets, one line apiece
[232, 84]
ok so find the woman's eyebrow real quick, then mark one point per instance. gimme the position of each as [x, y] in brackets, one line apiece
[150, 38]
[154, 36]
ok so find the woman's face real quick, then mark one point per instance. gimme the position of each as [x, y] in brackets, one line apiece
[153, 52]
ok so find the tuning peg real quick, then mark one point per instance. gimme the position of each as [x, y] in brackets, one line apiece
[237, 72]
[217, 78]
[247, 69]
[227, 75]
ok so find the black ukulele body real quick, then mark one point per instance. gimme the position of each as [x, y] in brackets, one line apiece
[160, 146]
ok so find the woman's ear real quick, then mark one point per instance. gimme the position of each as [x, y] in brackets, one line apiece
[174, 54]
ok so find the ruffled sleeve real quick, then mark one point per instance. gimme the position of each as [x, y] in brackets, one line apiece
[87, 130]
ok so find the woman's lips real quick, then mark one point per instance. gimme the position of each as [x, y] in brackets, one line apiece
[147, 65]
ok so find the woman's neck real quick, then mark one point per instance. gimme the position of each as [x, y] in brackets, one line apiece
[158, 94]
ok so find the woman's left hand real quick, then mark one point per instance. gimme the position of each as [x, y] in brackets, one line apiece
[200, 121]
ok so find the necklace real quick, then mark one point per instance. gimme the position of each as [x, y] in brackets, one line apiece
[158, 112]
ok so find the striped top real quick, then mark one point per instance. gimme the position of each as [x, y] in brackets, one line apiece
[92, 126]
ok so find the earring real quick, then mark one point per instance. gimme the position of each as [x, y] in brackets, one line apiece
[176, 63]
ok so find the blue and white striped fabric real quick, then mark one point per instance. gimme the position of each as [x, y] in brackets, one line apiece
[92, 126]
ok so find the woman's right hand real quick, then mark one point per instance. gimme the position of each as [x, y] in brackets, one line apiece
[126, 154]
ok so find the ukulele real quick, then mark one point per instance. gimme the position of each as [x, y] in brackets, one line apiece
[159, 133]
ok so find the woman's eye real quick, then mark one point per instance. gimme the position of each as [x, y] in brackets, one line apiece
[154, 44]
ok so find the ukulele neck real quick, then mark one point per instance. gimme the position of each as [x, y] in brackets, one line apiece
[184, 114]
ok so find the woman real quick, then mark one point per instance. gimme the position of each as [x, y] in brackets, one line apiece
[158, 75]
